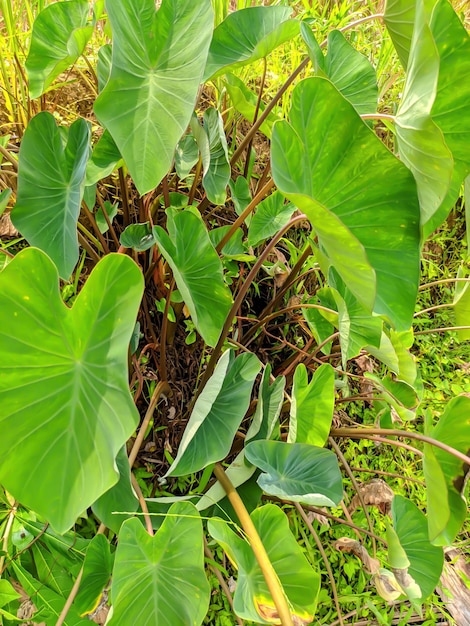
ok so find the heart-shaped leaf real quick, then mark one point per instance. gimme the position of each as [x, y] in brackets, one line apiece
[51, 172]
[445, 474]
[301, 583]
[197, 269]
[217, 414]
[425, 560]
[161, 580]
[96, 574]
[157, 65]
[63, 384]
[60, 34]
[430, 142]
[248, 35]
[312, 405]
[297, 471]
[361, 200]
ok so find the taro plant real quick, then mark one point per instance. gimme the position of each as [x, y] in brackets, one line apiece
[154, 217]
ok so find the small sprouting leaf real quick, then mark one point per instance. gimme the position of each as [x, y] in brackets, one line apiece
[217, 174]
[140, 237]
[186, 156]
[104, 159]
[271, 215]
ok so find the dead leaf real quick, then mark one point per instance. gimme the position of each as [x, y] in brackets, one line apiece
[318, 517]
[387, 585]
[6, 227]
[375, 492]
[346, 544]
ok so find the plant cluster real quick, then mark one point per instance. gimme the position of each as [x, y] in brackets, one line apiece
[209, 282]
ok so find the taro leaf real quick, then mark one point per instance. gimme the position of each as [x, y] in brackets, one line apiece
[121, 497]
[60, 34]
[71, 368]
[4, 197]
[161, 580]
[7, 593]
[312, 405]
[241, 195]
[271, 215]
[314, 51]
[397, 393]
[217, 175]
[301, 583]
[52, 164]
[111, 211]
[103, 66]
[217, 414]
[445, 474]
[462, 305]
[140, 237]
[96, 574]
[268, 409]
[103, 161]
[361, 200]
[197, 269]
[394, 351]
[351, 73]
[157, 65]
[248, 35]
[48, 602]
[297, 471]
[186, 156]
[349, 70]
[244, 101]
[467, 212]
[432, 143]
[320, 326]
[357, 328]
[400, 564]
[426, 560]
[399, 18]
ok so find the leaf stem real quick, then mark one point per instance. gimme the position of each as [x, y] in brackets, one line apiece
[361, 433]
[325, 560]
[440, 330]
[257, 546]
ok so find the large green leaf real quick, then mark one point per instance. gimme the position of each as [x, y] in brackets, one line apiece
[121, 497]
[351, 73]
[312, 405]
[63, 383]
[361, 200]
[297, 471]
[96, 574]
[51, 173]
[431, 142]
[197, 269]
[301, 583]
[60, 34]
[268, 409]
[445, 474]
[425, 560]
[217, 414]
[248, 35]
[161, 580]
[157, 65]
[399, 18]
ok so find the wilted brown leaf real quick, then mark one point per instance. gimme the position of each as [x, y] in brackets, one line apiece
[375, 492]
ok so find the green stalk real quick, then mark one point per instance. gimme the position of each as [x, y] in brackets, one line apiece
[270, 576]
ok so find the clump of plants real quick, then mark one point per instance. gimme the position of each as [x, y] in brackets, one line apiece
[209, 295]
